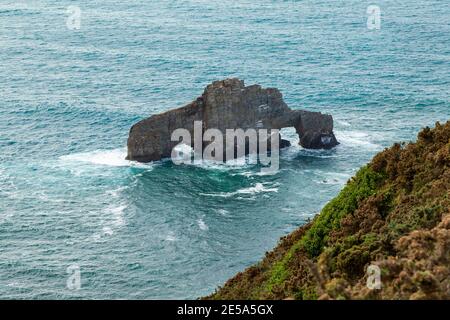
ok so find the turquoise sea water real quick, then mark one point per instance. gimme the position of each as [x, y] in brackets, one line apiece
[69, 97]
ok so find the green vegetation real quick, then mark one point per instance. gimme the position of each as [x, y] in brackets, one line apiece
[363, 185]
[395, 213]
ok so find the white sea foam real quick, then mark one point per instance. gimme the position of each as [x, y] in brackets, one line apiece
[116, 192]
[223, 212]
[170, 237]
[113, 221]
[343, 123]
[257, 188]
[114, 158]
[359, 139]
[347, 138]
[117, 215]
[249, 174]
[6, 216]
[202, 225]
[107, 231]
[291, 152]
[233, 164]
[334, 178]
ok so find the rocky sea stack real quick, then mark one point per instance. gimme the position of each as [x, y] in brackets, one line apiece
[394, 215]
[229, 104]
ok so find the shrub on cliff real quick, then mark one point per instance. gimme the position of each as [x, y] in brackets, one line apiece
[395, 213]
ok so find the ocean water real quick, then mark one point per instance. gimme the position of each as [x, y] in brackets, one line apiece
[68, 98]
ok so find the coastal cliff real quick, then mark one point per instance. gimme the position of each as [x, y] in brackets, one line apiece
[394, 214]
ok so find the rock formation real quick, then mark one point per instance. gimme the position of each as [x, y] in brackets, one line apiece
[229, 104]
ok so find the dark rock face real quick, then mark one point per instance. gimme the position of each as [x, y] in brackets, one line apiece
[229, 104]
[284, 143]
[316, 130]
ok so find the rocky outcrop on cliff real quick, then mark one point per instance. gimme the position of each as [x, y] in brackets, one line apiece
[392, 220]
[229, 104]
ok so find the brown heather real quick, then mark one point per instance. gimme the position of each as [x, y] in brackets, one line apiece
[395, 213]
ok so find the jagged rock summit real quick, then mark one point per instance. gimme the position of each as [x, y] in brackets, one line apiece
[229, 104]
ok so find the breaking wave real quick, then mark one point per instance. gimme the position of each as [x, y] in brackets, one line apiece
[257, 188]
[114, 158]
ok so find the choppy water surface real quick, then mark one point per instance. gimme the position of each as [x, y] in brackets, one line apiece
[68, 98]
